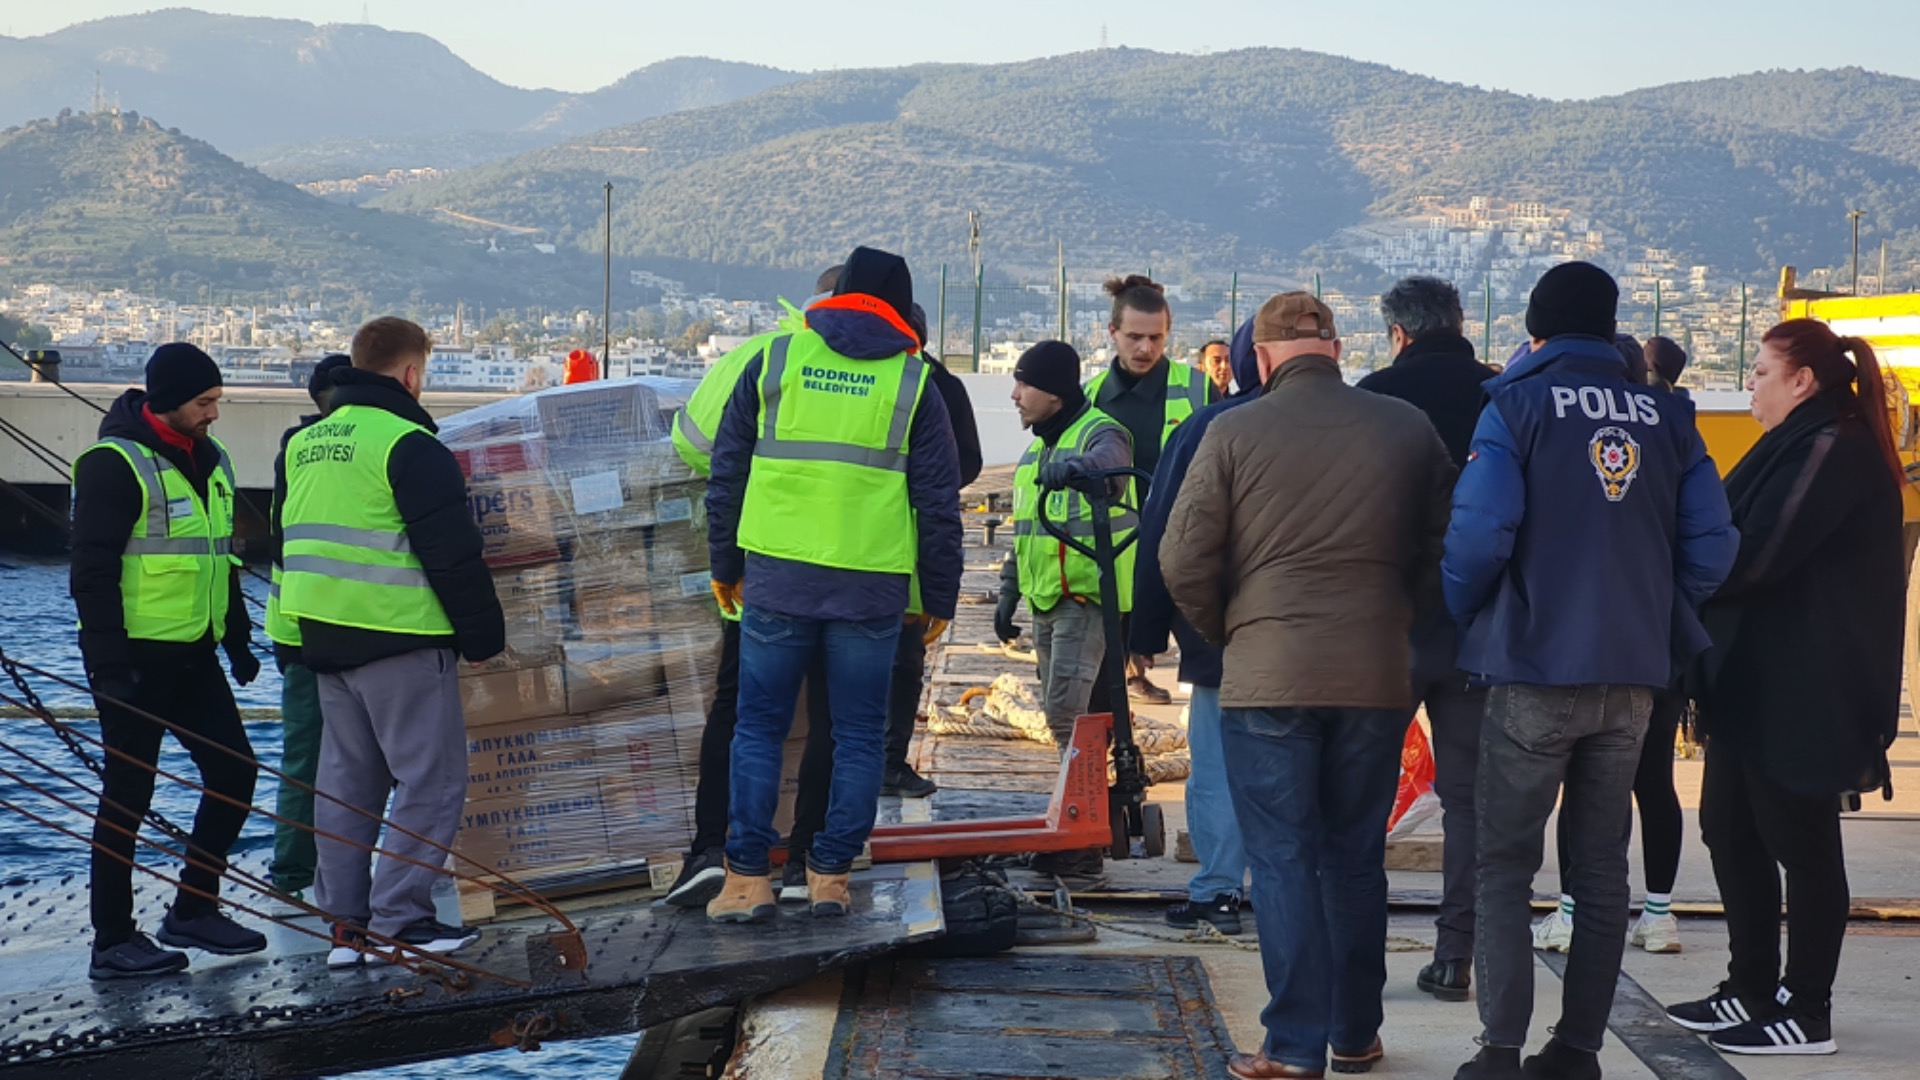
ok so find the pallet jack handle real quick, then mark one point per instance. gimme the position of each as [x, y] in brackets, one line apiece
[1127, 793]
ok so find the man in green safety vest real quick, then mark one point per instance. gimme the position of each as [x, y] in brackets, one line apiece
[293, 854]
[381, 567]
[1062, 586]
[1151, 396]
[157, 585]
[834, 478]
[703, 871]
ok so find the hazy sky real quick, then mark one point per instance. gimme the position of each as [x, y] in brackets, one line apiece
[1603, 48]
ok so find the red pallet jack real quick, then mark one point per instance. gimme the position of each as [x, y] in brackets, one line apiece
[1086, 811]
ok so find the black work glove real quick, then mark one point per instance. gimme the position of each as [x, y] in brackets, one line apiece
[245, 665]
[1003, 625]
[1062, 473]
[119, 683]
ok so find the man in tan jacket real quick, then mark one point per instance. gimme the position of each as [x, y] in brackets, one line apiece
[1307, 534]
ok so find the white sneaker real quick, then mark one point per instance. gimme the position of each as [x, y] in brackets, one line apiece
[1553, 933]
[1658, 934]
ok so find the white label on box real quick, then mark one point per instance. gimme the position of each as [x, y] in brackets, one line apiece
[696, 584]
[597, 493]
[671, 510]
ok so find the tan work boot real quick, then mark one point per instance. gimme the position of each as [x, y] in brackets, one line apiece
[828, 893]
[743, 898]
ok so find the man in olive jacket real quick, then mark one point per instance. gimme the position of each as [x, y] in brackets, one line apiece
[1306, 535]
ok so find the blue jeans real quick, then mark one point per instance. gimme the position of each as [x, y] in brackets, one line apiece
[1210, 819]
[1313, 788]
[775, 652]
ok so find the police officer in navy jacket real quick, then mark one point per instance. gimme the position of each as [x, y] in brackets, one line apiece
[1588, 526]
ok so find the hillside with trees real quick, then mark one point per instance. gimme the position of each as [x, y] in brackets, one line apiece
[118, 200]
[1243, 161]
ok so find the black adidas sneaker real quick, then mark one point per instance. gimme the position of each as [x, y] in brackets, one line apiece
[1789, 1030]
[1722, 1011]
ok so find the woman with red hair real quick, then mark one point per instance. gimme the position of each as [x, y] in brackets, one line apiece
[1800, 693]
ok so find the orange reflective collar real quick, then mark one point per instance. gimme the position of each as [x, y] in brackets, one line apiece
[870, 305]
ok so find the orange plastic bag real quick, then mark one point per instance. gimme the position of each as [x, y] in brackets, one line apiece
[1416, 774]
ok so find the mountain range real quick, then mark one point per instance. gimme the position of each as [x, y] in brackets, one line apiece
[1255, 160]
[266, 90]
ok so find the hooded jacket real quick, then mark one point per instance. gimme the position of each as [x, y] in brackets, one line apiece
[430, 492]
[106, 503]
[804, 590]
[1588, 526]
[1154, 614]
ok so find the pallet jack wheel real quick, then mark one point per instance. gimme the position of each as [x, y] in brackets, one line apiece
[1153, 829]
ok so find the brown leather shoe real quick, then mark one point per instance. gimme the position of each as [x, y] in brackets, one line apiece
[743, 899]
[828, 894]
[1257, 1066]
[1141, 689]
[1361, 1062]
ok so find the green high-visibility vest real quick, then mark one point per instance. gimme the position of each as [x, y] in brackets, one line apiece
[1050, 570]
[177, 567]
[344, 554]
[1187, 393]
[697, 424]
[281, 628]
[829, 478]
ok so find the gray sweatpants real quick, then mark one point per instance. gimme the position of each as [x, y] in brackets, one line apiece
[390, 726]
[1069, 642]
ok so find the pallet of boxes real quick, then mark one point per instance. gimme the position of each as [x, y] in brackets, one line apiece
[583, 738]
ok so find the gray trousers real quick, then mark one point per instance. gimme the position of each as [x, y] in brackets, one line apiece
[1535, 738]
[392, 726]
[1069, 642]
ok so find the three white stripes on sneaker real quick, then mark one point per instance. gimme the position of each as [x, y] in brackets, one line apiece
[1786, 1033]
[1730, 1011]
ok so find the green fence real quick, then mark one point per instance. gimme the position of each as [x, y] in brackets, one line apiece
[981, 323]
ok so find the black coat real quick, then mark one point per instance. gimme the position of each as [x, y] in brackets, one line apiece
[1803, 678]
[1438, 375]
[431, 494]
[106, 503]
[966, 432]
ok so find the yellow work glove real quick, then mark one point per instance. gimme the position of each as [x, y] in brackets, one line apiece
[729, 597]
[935, 629]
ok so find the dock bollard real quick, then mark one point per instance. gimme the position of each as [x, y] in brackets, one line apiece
[991, 524]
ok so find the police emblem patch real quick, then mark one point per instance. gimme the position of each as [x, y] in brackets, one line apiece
[1616, 460]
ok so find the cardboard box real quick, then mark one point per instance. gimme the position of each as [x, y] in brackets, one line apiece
[549, 755]
[515, 514]
[607, 674]
[518, 835]
[506, 697]
[649, 769]
[534, 604]
[610, 594]
[607, 413]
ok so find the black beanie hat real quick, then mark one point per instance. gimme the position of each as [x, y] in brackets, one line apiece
[1573, 298]
[1052, 367]
[879, 274]
[176, 374]
[322, 378]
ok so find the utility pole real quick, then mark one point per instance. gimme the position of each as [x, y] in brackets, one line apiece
[606, 296]
[979, 279]
[1743, 333]
[1880, 283]
[1062, 259]
[1854, 216]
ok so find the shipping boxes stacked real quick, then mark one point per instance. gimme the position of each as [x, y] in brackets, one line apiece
[583, 737]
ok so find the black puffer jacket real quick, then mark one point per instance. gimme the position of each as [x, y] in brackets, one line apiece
[1803, 678]
[106, 503]
[431, 494]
